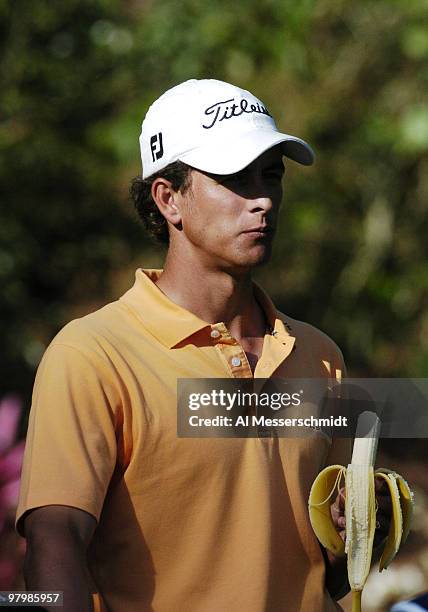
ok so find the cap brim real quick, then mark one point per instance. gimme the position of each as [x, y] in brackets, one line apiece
[220, 157]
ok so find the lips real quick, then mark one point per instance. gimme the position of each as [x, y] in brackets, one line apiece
[262, 230]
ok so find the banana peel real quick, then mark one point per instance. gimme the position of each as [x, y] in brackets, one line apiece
[360, 489]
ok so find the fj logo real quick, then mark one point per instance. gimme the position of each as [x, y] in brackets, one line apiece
[156, 146]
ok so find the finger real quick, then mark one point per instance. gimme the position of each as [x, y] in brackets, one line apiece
[341, 499]
[337, 511]
[341, 522]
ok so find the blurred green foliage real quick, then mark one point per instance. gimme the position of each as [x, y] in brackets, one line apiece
[351, 78]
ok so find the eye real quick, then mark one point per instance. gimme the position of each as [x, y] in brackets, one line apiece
[235, 179]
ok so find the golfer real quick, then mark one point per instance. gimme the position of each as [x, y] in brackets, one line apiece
[119, 512]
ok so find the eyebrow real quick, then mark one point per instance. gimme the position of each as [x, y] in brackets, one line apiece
[273, 166]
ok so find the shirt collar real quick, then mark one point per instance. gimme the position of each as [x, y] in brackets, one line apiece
[171, 323]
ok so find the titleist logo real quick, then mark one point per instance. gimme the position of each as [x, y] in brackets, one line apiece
[222, 110]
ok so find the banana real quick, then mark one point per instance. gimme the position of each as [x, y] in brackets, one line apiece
[360, 508]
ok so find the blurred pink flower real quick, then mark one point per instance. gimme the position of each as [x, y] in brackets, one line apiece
[10, 412]
[10, 471]
[11, 456]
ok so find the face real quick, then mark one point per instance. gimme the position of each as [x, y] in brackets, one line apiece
[231, 219]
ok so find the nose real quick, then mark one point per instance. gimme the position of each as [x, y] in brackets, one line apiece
[262, 193]
[260, 203]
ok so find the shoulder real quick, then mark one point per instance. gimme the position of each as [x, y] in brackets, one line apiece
[92, 332]
[314, 341]
[306, 331]
[85, 344]
[81, 358]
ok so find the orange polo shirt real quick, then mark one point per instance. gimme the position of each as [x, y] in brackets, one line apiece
[186, 524]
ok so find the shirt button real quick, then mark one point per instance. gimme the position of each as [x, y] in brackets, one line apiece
[236, 361]
[215, 333]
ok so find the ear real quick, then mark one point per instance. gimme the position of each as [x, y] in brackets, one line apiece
[166, 200]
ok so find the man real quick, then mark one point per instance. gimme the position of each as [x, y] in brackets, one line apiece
[112, 500]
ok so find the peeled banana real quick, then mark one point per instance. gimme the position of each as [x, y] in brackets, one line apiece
[360, 508]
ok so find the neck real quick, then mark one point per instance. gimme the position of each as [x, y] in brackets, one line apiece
[214, 295]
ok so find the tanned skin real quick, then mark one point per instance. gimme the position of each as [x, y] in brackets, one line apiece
[57, 540]
[220, 230]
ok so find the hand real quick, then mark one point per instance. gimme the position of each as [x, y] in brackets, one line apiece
[383, 513]
[337, 510]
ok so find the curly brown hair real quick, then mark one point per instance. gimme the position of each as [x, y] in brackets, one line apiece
[179, 174]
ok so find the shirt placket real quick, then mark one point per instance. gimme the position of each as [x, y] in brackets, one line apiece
[231, 352]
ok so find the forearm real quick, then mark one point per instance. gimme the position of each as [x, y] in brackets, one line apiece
[336, 574]
[59, 566]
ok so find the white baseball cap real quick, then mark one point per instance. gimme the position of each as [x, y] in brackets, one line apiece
[212, 126]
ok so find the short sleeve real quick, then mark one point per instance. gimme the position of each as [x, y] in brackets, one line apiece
[71, 448]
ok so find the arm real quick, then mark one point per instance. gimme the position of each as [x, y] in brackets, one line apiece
[336, 574]
[57, 540]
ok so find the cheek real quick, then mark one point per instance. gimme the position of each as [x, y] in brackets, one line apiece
[208, 229]
[210, 217]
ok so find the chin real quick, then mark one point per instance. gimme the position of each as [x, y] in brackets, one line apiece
[258, 257]
[261, 261]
